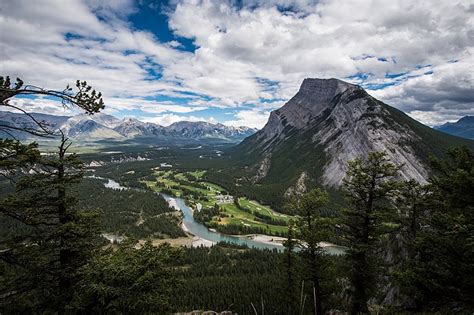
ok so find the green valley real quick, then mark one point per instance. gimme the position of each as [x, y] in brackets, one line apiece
[215, 207]
[188, 180]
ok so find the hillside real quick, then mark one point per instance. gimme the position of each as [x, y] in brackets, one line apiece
[309, 141]
[464, 127]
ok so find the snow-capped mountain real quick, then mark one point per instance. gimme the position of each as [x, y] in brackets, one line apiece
[103, 126]
[202, 129]
[131, 128]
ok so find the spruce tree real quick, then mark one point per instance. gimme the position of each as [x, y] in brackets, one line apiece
[312, 228]
[39, 259]
[290, 268]
[43, 258]
[411, 205]
[442, 272]
[369, 185]
[130, 279]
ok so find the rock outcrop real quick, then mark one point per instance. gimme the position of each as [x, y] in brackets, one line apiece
[329, 122]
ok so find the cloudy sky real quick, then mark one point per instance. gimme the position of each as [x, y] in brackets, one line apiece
[235, 61]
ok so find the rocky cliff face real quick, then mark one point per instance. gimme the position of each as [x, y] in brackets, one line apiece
[329, 122]
[312, 99]
[356, 125]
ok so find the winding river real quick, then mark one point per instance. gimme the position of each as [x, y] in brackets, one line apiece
[204, 233]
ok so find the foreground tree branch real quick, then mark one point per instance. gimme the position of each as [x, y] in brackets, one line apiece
[83, 97]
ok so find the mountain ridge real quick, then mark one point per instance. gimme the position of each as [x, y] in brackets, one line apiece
[464, 127]
[104, 126]
[327, 123]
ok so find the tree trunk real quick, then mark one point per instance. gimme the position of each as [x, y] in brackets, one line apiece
[65, 254]
[359, 303]
[359, 299]
[314, 274]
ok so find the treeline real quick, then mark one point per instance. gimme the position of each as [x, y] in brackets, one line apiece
[408, 246]
[205, 215]
[268, 219]
[270, 194]
[222, 279]
[129, 174]
[239, 229]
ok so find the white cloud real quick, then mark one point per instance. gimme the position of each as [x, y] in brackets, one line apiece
[251, 118]
[168, 119]
[445, 93]
[115, 105]
[330, 39]
[42, 105]
[433, 118]
[246, 54]
[110, 56]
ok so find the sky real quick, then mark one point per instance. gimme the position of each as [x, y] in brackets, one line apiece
[235, 61]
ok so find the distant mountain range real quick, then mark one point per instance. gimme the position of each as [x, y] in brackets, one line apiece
[464, 127]
[309, 140]
[106, 127]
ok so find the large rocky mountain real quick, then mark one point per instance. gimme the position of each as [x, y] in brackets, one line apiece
[106, 127]
[202, 130]
[328, 122]
[464, 127]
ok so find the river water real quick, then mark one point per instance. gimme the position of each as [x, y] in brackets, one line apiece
[204, 233]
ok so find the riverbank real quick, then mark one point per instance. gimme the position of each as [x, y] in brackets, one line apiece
[188, 241]
[200, 235]
[262, 238]
[278, 241]
[207, 237]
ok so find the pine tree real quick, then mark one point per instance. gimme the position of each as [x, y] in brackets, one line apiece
[40, 258]
[443, 269]
[368, 186]
[44, 257]
[132, 279]
[411, 205]
[290, 268]
[312, 229]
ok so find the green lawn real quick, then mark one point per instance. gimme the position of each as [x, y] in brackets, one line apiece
[257, 207]
[198, 174]
[237, 216]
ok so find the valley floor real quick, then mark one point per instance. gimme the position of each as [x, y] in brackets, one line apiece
[215, 208]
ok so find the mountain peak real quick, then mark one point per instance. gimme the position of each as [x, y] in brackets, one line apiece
[131, 120]
[465, 119]
[325, 88]
[464, 127]
[330, 122]
[314, 97]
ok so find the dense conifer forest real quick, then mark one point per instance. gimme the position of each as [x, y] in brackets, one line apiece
[133, 213]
